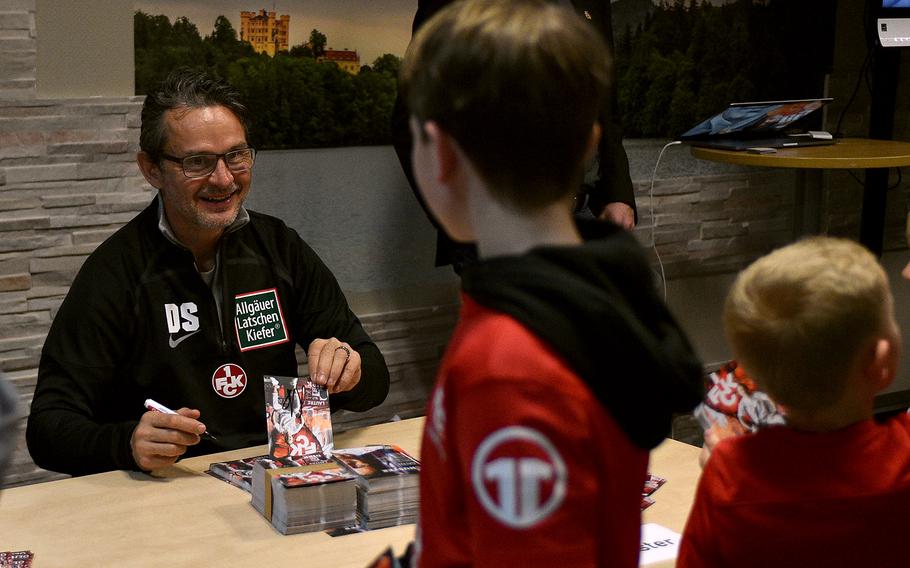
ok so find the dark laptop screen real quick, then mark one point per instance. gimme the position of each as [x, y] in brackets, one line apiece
[759, 118]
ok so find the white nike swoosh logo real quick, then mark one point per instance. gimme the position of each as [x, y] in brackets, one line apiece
[175, 342]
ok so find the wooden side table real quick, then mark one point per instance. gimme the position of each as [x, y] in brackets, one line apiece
[848, 153]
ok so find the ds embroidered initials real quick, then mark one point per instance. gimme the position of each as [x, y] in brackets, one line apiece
[181, 317]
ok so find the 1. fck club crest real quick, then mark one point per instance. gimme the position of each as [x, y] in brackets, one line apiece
[229, 380]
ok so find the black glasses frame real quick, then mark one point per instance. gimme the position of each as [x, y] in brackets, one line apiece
[224, 157]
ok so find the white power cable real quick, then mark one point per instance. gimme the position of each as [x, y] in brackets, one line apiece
[663, 276]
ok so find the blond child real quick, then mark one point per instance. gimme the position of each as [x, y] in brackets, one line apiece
[813, 324]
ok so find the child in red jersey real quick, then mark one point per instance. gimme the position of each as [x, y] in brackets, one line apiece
[565, 367]
[813, 325]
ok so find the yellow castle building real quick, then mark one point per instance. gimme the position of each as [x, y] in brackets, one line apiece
[266, 32]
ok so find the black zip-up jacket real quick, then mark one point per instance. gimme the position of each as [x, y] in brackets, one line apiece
[139, 322]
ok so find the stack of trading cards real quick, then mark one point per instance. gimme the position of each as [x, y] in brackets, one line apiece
[388, 481]
[652, 484]
[239, 472]
[299, 427]
[305, 498]
[17, 559]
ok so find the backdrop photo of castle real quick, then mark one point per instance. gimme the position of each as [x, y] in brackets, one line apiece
[305, 90]
[677, 61]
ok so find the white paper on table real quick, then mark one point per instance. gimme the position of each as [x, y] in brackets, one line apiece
[657, 543]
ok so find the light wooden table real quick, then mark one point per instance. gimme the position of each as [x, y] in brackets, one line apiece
[183, 517]
[876, 156]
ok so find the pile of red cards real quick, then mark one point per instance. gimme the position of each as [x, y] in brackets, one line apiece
[652, 484]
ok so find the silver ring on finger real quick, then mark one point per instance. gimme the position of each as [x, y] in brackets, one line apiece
[347, 351]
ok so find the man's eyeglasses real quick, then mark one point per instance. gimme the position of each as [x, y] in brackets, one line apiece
[202, 165]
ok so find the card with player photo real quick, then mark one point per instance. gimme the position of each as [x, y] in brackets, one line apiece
[298, 419]
[734, 403]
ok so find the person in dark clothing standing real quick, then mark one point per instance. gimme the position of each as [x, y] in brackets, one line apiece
[191, 304]
[608, 197]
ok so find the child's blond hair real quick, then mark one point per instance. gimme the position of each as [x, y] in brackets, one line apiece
[798, 318]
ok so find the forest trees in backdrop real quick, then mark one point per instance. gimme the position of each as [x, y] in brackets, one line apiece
[688, 60]
[677, 63]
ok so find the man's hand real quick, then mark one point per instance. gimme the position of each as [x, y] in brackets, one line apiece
[334, 364]
[619, 213]
[161, 438]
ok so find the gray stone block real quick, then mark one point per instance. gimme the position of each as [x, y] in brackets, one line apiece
[719, 229]
[64, 264]
[29, 241]
[62, 122]
[49, 304]
[722, 244]
[21, 361]
[12, 303]
[8, 204]
[24, 377]
[118, 207]
[18, 64]
[104, 170]
[65, 221]
[20, 42]
[662, 220]
[19, 6]
[93, 237]
[53, 279]
[14, 34]
[14, 265]
[27, 324]
[28, 174]
[24, 223]
[21, 343]
[663, 201]
[55, 201]
[672, 187]
[42, 291]
[12, 152]
[105, 106]
[66, 250]
[89, 147]
[681, 235]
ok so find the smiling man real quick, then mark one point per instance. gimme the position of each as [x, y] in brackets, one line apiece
[191, 304]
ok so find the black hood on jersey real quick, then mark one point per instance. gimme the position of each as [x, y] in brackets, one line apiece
[597, 306]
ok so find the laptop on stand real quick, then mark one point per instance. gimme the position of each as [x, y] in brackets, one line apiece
[759, 126]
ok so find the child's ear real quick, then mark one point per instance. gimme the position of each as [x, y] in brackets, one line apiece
[150, 169]
[593, 141]
[882, 367]
[445, 149]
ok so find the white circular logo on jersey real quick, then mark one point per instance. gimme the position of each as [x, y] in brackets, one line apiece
[229, 380]
[518, 476]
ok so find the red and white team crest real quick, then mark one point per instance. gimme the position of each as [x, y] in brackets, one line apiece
[518, 476]
[229, 380]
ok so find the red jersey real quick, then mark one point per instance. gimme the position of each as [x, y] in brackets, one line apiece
[781, 497]
[520, 463]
